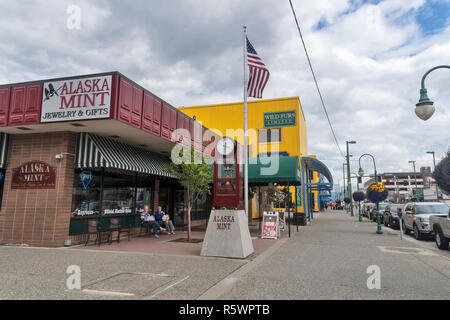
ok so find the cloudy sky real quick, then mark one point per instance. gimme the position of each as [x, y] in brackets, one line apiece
[369, 57]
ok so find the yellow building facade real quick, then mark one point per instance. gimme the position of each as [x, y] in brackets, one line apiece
[275, 126]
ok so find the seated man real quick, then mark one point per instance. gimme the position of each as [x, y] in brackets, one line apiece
[164, 220]
[149, 220]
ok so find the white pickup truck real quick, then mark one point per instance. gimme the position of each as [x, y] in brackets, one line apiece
[440, 224]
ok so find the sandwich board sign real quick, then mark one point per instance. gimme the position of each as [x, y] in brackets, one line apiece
[270, 225]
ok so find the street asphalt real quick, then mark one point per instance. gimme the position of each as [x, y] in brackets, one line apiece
[327, 259]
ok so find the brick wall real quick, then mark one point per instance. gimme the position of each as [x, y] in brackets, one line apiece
[38, 217]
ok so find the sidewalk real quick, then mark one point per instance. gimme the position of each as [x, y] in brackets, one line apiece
[165, 244]
[330, 257]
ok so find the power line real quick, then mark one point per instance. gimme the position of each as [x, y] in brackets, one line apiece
[315, 80]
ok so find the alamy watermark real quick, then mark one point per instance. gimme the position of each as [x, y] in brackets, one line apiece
[374, 280]
[205, 143]
[73, 281]
[74, 18]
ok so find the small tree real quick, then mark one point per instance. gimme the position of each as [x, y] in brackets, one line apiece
[442, 174]
[194, 177]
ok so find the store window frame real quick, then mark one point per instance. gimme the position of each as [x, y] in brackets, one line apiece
[135, 215]
[2, 184]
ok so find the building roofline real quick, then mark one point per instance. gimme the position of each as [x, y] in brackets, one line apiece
[248, 102]
[100, 74]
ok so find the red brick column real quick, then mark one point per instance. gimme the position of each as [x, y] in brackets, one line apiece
[39, 217]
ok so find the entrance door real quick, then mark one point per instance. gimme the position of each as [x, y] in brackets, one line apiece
[179, 208]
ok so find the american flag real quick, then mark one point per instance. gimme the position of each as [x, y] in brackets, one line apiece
[258, 73]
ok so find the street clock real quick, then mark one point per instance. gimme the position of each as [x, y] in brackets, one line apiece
[225, 146]
[228, 182]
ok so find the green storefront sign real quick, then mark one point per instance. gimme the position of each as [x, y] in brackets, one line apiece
[280, 119]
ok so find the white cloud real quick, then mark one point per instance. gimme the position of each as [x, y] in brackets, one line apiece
[368, 58]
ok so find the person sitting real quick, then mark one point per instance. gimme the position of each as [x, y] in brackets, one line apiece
[149, 220]
[163, 219]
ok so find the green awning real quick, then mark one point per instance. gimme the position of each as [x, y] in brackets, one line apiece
[281, 170]
[4, 144]
[94, 151]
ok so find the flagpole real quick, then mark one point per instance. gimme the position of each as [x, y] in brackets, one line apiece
[245, 125]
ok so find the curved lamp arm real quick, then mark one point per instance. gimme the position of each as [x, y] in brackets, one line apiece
[429, 71]
[374, 165]
[424, 108]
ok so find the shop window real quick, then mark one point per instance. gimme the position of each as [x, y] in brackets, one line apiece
[118, 192]
[270, 135]
[144, 192]
[86, 193]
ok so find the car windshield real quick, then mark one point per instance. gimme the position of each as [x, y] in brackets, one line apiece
[432, 208]
[382, 206]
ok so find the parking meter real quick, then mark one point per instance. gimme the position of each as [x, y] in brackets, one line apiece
[399, 214]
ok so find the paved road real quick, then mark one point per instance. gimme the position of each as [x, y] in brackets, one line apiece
[327, 259]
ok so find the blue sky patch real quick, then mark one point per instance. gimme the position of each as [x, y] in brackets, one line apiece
[433, 17]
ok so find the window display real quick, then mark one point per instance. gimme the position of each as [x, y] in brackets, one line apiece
[86, 193]
[118, 192]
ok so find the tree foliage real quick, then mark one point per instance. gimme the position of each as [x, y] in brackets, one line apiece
[442, 174]
[196, 178]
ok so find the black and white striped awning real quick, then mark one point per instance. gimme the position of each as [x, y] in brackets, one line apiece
[94, 151]
[4, 144]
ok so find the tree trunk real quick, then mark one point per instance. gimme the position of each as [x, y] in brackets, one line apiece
[189, 205]
[189, 222]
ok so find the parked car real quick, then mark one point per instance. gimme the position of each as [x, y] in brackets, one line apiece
[381, 207]
[390, 215]
[416, 217]
[440, 224]
[367, 209]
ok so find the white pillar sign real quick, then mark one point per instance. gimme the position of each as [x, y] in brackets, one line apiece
[227, 235]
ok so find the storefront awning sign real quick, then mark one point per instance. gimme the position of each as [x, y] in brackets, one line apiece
[86, 178]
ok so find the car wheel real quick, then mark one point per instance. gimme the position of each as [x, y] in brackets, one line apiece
[417, 234]
[441, 240]
[405, 229]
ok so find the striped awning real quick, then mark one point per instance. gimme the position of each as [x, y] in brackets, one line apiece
[4, 144]
[94, 151]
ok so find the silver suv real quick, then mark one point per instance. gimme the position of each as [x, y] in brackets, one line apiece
[416, 217]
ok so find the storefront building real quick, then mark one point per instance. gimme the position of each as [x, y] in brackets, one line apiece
[276, 127]
[84, 147]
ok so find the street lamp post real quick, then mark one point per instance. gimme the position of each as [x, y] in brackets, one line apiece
[357, 189]
[415, 178]
[343, 184]
[361, 173]
[434, 168]
[424, 108]
[349, 183]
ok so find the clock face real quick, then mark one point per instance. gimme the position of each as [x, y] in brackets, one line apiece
[225, 146]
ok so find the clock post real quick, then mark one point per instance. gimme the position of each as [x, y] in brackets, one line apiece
[227, 234]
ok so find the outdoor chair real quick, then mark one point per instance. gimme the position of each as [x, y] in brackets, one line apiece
[95, 227]
[146, 228]
[114, 225]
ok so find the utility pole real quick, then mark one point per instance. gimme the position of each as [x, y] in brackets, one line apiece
[343, 185]
[434, 168]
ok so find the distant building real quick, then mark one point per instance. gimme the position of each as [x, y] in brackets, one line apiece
[402, 185]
